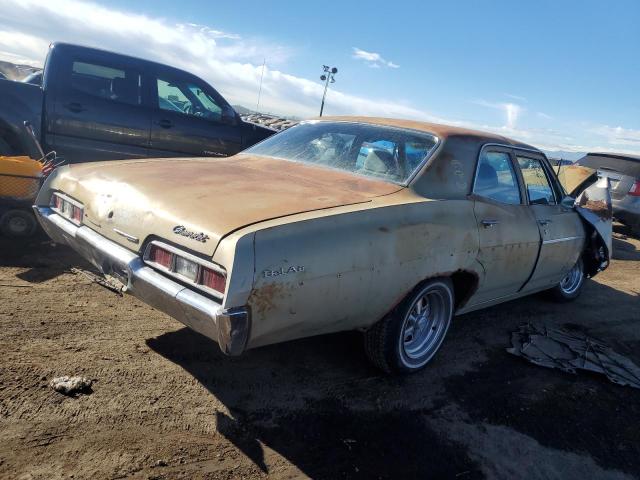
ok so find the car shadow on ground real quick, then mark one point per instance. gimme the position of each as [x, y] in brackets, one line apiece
[43, 259]
[319, 404]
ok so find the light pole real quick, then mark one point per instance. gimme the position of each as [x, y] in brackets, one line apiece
[327, 77]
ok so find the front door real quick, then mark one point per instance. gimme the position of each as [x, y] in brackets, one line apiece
[508, 232]
[98, 112]
[191, 121]
[560, 228]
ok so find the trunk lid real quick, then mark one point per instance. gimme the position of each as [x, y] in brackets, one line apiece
[196, 202]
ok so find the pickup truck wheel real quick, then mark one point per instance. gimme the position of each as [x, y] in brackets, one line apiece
[570, 286]
[18, 223]
[408, 338]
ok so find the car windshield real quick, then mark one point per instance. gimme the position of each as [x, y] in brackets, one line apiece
[388, 153]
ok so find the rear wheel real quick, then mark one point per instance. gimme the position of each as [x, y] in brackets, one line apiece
[18, 223]
[570, 286]
[409, 337]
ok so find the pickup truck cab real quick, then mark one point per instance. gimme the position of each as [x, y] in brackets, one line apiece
[97, 105]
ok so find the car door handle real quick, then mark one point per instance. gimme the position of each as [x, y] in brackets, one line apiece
[489, 223]
[74, 107]
[544, 221]
[164, 123]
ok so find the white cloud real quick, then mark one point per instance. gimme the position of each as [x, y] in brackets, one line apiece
[511, 111]
[619, 136]
[515, 97]
[372, 59]
[233, 64]
[544, 116]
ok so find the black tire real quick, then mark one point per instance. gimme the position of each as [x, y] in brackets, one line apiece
[571, 285]
[5, 148]
[18, 224]
[388, 343]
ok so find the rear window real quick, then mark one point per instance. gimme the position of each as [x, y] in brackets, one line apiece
[107, 82]
[388, 153]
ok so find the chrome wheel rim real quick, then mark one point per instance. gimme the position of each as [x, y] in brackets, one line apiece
[572, 281]
[425, 325]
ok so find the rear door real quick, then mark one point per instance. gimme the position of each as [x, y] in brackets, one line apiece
[508, 231]
[561, 229]
[98, 112]
[191, 119]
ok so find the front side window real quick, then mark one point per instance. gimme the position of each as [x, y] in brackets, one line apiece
[117, 84]
[496, 178]
[187, 98]
[535, 178]
[388, 153]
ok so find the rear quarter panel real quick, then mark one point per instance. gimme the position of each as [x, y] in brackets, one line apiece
[346, 271]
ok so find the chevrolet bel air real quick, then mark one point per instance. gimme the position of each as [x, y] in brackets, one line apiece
[390, 227]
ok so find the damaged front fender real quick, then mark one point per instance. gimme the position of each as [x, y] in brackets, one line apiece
[593, 205]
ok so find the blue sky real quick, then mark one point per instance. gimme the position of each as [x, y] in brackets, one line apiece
[561, 75]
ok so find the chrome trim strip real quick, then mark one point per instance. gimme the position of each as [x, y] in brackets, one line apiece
[558, 240]
[188, 256]
[69, 199]
[229, 327]
[131, 238]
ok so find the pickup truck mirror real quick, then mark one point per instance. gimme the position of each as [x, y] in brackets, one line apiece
[567, 202]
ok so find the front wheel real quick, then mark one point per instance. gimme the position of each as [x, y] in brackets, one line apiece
[570, 286]
[408, 338]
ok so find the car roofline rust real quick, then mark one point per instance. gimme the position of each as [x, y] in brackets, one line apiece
[437, 129]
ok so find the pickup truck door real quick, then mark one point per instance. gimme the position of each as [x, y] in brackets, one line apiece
[190, 119]
[508, 231]
[561, 229]
[95, 110]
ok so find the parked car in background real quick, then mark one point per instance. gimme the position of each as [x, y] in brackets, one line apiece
[97, 105]
[623, 172]
[386, 226]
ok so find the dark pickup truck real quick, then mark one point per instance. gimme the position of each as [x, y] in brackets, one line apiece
[98, 105]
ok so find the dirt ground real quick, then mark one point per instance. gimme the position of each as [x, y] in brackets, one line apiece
[167, 404]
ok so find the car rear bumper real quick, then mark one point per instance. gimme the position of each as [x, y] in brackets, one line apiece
[228, 327]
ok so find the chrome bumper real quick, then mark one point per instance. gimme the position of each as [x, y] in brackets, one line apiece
[229, 327]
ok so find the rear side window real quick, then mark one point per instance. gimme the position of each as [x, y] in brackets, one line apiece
[496, 179]
[535, 178]
[107, 82]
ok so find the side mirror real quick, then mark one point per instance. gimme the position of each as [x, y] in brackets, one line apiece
[567, 202]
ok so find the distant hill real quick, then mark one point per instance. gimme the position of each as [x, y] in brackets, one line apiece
[15, 72]
[564, 155]
[243, 110]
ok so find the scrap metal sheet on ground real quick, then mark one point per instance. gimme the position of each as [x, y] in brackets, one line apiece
[569, 351]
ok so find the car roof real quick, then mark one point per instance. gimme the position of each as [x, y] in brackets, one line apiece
[442, 131]
[625, 164]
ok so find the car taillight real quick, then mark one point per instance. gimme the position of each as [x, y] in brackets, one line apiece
[162, 257]
[68, 208]
[186, 268]
[635, 189]
[76, 214]
[213, 280]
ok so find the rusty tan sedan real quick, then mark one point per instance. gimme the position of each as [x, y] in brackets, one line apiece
[385, 226]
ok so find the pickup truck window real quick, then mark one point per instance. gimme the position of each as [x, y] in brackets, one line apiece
[107, 82]
[187, 98]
